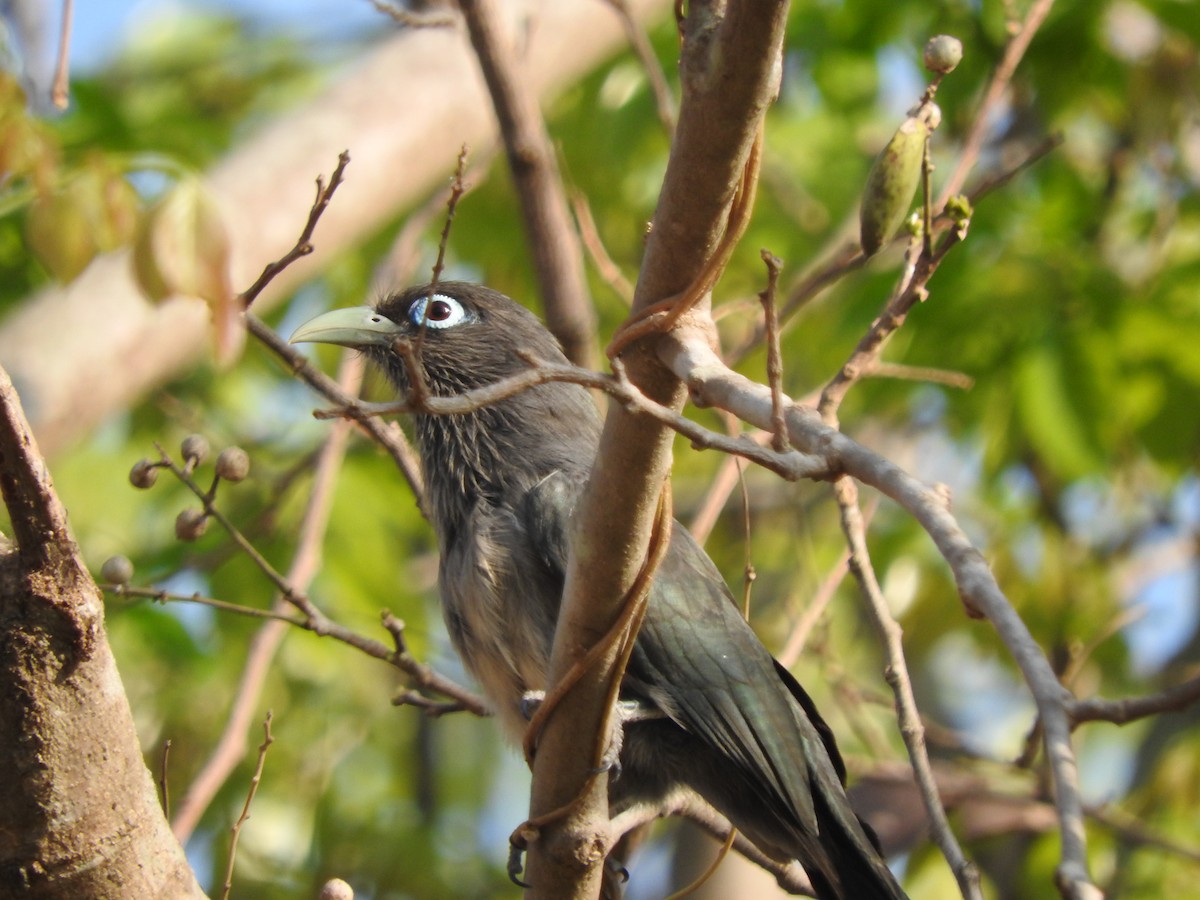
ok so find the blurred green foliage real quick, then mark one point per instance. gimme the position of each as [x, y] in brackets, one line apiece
[1074, 305]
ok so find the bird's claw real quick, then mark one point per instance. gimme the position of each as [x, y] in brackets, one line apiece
[517, 844]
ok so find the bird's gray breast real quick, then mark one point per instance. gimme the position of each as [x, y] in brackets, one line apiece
[500, 601]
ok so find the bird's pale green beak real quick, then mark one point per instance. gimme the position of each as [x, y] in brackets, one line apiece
[353, 326]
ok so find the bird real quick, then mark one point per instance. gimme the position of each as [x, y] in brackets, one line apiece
[716, 722]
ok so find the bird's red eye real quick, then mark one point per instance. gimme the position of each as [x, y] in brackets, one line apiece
[440, 311]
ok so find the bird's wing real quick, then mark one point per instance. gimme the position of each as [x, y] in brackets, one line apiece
[698, 661]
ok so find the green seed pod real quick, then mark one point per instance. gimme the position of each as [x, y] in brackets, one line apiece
[893, 180]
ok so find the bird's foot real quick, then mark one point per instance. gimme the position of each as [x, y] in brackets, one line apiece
[530, 701]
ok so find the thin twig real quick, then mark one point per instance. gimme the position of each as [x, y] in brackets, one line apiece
[1001, 77]
[1130, 709]
[896, 674]
[848, 257]
[457, 189]
[749, 575]
[387, 434]
[241, 820]
[594, 245]
[303, 246]
[689, 355]
[163, 791]
[400, 658]
[928, 374]
[910, 291]
[664, 100]
[438, 17]
[60, 93]
[790, 464]
[779, 439]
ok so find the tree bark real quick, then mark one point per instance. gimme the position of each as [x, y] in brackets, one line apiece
[730, 70]
[79, 816]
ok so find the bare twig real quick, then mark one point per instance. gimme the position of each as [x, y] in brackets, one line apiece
[425, 677]
[900, 371]
[236, 830]
[692, 359]
[910, 290]
[457, 189]
[164, 793]
[60, 93]
[664, 100]
[433, 18]
[1013, 53]
[896, 673]
[848, 256]
[390, 438]
[779, 439]
[400, 262]
[790, 464]
[590, 235]
[387, 435]
[553, 244]
[1130, 709]
[303, 246]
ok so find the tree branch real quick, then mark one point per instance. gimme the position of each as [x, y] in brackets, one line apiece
[712, 383]
[553, 243]
[79, 812]
[730, 63]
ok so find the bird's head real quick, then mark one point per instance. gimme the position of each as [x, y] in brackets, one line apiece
[466, 335]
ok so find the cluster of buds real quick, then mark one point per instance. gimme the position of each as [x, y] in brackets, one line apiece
[232, 464]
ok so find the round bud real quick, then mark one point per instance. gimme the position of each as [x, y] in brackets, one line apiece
[233, 464]
[117, 570]
[194, 449]
[943, 53]
[190, 524]
[336, 889]
[143, 474]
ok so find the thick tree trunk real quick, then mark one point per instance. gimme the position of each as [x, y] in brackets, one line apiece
[79, 817]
